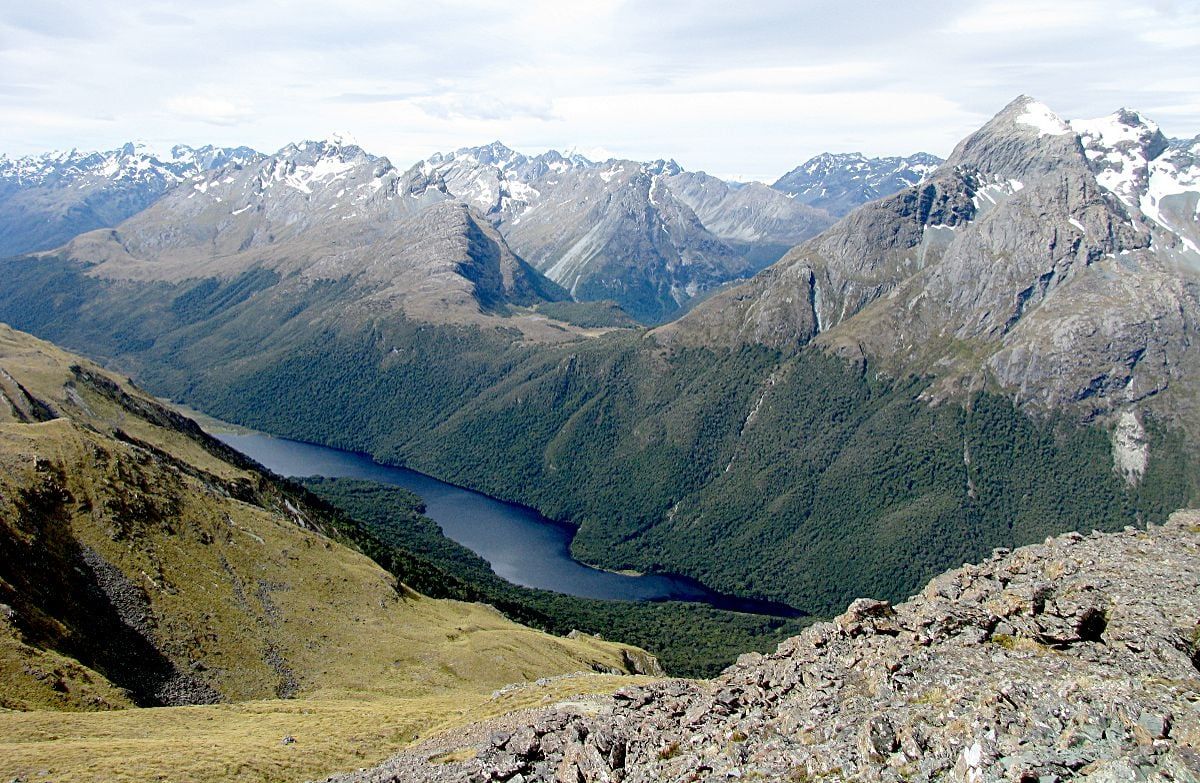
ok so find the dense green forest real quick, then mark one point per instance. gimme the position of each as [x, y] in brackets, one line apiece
[794, 476]
[842, 485]
[691, 640]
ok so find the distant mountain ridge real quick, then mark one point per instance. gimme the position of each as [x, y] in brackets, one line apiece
[839, 182]
[625, 230]
[602, 230]
[324, 211]
[47, 199]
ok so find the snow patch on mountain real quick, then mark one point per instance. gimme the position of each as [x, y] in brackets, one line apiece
[1039, 117]
[133, 162]
[1155, 178]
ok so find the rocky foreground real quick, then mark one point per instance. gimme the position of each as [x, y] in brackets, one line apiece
[1078, 657]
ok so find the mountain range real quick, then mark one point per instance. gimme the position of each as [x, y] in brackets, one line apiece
[839, 182]
[46, 200]
[597, 229]
[1028, 310]
[646, 235]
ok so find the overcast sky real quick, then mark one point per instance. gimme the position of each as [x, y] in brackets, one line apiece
[739, 89]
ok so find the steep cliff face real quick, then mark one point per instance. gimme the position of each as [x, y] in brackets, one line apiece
[1078, 657]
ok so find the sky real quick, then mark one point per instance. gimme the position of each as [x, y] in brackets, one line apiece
[742, 90]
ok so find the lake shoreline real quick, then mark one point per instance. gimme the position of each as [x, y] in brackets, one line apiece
[545, 563]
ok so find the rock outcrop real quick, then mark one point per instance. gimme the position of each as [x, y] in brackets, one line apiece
[1076, 658]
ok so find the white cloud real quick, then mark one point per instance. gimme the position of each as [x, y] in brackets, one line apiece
[1027, 18]
[749, 90]
[485, 107]
[210, 108]
[1175, 37]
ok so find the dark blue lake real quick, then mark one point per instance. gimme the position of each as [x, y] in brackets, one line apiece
[521, 545]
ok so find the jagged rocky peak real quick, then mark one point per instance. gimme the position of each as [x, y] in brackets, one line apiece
[1119, 148]
[334, 172]
[1068, 278]
[1154, 177]
[337, 146]
[496, 156]
[496, 153]
[552, 162]
[209, 157]
[660, 167]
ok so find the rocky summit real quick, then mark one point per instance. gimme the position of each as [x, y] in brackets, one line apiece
[1056, 261]
[1075, 658]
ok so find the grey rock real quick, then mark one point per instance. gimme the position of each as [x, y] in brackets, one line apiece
[1156, 725]
[523, 743]
[1040, 257]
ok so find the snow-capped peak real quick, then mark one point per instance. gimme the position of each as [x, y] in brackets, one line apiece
[1151, 175]
[1038, 116]
[1119, 148]
[495, 154]
[662, 167]
[1121, 125]
[576, 157]
[131, 162]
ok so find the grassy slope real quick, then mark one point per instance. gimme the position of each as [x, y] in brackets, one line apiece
[224, 577]
[243, 743]
[692, 640]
